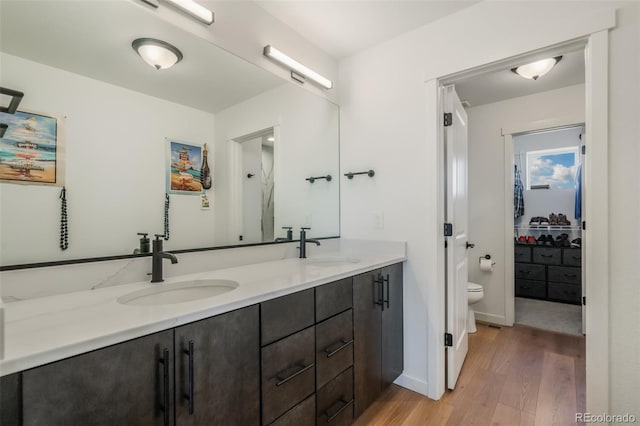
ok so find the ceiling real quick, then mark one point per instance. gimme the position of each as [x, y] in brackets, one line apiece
[344, 27]
[79, 37]
[502, 84]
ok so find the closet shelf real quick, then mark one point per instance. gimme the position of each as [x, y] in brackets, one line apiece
[547, 227]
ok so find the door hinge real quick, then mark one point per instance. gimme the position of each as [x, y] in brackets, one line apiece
[448, 339]
[448, 119]
[584, 225]
[448, 229]
[584, 300]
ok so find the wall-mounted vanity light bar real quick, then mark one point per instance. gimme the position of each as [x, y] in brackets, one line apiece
[189, 7]
[296, 67]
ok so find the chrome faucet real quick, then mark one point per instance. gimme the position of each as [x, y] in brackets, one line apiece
[304, 241]
[156, 259]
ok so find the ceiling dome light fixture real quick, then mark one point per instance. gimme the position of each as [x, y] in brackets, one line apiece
[157, 53]
[537, 69]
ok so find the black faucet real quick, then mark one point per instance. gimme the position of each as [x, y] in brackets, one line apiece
[289, 235]
[156, 260]
[304, 241]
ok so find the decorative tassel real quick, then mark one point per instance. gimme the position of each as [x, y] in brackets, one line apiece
[64, 220]
[166, 216]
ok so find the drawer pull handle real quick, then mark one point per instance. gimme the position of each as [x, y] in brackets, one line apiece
[345, 404]
[524, 272]
[546, 255]
[189, 395]
[525, 287]
[576, 257]
[301, 369]
[569, 293]
[570, 275]
[343, 344]
[165, 385]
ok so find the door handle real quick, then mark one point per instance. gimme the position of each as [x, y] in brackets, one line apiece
[468, 245]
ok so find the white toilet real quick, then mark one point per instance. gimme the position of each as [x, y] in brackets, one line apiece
[475, 292]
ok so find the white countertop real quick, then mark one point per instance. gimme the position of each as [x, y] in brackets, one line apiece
[47, 329]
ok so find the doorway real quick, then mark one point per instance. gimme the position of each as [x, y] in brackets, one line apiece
[594, 95]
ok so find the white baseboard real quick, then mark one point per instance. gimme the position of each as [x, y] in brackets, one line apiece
[413, 384]
[493, 319]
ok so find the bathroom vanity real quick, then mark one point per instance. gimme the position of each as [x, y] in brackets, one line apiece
[313, 341]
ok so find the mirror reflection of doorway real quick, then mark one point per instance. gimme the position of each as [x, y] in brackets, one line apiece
[257, 177]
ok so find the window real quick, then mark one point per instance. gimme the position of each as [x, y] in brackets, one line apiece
[553, 167]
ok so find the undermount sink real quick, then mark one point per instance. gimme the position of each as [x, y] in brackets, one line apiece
[178, 292]
[330, 260]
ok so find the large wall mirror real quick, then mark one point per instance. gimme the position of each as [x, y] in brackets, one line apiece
[116, 120]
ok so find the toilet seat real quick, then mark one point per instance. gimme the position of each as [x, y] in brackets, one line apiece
[473, 287]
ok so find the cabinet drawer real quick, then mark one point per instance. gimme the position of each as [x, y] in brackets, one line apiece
[288, 373]
[335, 401]
[285, 315]
[303, 414]
[565, 292]
[522, 254]
[565, 274]
[529, 288]
[547, 255]
[529, 271]
[572, 257]
[334, 347]
[333, 298]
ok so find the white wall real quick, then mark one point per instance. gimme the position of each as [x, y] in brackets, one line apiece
[487, 179]
[115, 170]
[624, 209]
[307, 143]
[389, 123]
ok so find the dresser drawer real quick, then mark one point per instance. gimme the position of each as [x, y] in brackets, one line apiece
[530, 288]
[334, 347]
[333, 298]
[547, 255]
[572, 257]
[527, 271]
[303, 414]
[335, 401]
[565, 274]
[285, 315]
[522, 254]
[288, 373]
[565, 292]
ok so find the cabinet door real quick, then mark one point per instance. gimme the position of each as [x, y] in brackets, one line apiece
[225, 378]
[367, 315]
[126, 384]
[392, 327]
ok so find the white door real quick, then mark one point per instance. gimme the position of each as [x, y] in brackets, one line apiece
[455, 136]
[252, 190]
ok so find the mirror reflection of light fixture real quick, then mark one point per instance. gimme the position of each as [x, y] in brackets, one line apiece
[296, 67]
[199, 12]
[157, 53]
[537, 69]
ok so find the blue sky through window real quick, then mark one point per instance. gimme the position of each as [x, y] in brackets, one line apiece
[556, 169]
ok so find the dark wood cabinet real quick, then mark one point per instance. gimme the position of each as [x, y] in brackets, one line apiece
[378, 333]
[130, 383]
[217, 370]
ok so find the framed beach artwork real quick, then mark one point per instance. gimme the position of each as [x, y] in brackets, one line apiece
[183, 168]
[31, 149]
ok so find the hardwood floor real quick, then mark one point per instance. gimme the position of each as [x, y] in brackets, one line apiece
[512, 376]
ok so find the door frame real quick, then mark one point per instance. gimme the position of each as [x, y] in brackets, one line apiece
[509, 251]
[596, 241]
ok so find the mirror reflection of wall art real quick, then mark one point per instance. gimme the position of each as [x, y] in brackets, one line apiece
[183, 168]
[30, 150]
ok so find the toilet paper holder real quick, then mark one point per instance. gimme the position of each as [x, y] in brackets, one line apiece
[486, 256]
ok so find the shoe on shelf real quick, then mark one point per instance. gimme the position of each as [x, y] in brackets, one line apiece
[541, 239]
[553, 219]
[544, 221]
[534, 221]
[563, 221]
[548, 239]
[531, 239]
[576, 243]
[522, 239]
